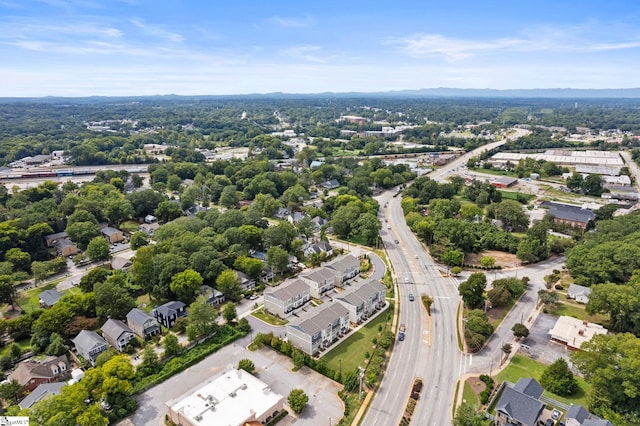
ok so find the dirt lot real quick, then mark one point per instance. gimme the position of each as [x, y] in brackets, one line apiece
[505, 260]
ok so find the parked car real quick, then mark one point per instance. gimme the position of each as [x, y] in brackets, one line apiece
[555, 415]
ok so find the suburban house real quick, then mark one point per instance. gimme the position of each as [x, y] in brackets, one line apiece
[578, 293]
[30, 374]
[322, 248]
[51, 239]
[318, 329]
[65, 247]
[574, 332]
[48, 298]
[321, 280]
[121, 263]
[231, 397]
[281, 213]
[40, 392]
[150, 219]
[319, 222]
[363, 300]
[117, 334]
[577, 415]
[246, 283]
[89, 345]
[287, 298]
[143, 324]
[149, 228]
[520, 404]
[113, 235]
[346, 266]
[213, 295]
[168, 313]
[577, 217]
[331, 184]
[295, 217]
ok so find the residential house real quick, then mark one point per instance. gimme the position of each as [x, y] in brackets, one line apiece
[48, 298]
[288, 298]
[364, 300]
[30, 374]
[346, 266]
[319, 222]
[321, 280]
[89, 345]
[281, 213]
[168, 313]
[578, 293]
[320, 328]
[51, 239]
[577, 217]
[213, 295]
[574, 332]
[120, 263]
[113, 235]
[246, 282]
[65, 247]
[520, 404]
[331, 184]
[117, 334]
[577, 415]
[149, 228]
[322, 248]
[295, 217]
[143, 324]
[40, 392]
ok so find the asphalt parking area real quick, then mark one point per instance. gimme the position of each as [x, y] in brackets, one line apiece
[539, 343]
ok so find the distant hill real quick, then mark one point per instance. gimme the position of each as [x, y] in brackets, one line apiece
[440, 92]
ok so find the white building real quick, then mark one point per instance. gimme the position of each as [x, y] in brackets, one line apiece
[231, 398]
[574, 332]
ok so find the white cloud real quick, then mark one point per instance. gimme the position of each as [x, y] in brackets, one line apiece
[291, 22]
[158, 31]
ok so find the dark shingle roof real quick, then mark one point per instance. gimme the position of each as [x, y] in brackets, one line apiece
[530, 387]
[577, 412]
[50, 297]
[576, 214]
[170, 308]
[288, 290]
[40, 392]
[114, 328]
[519, 406]
[138, 316]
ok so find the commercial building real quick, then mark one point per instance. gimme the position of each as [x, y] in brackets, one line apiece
[574, 332]
[232, 398]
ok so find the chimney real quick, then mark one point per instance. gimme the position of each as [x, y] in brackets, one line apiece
[581, 332]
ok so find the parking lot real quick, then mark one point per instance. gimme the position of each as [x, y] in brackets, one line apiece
[272, 368]
[540, 346]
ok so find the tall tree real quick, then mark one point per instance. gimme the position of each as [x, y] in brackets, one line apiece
[559, 379]
[472, 290]
[98, 249]
[186, 285]
[229, 284]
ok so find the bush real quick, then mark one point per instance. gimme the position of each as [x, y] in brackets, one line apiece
[246, 365]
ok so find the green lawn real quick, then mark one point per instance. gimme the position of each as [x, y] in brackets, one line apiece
[510, 195]
[576, 310]
[269, 319]
[521, 366]
[130, 226]
[468, 395]
[351, 351]
[29, 300]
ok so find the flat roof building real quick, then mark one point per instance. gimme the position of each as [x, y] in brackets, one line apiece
[574, 332]
[231, 398]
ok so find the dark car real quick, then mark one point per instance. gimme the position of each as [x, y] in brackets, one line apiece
[549, 422]
[397, 242]
[411, 298]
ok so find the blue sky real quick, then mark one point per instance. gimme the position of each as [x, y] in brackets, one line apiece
[209, 47]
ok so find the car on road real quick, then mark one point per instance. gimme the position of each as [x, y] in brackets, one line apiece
[411, 298]
[406, 280]
[416, 256]
[396, 241]
[401, 331]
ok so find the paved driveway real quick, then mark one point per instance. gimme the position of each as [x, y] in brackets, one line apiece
[271, 367]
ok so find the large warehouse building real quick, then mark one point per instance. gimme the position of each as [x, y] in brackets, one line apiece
[562, 158]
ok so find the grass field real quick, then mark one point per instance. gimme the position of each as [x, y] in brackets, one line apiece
[469, 396]
[29, 300]
[521, 366]
[269, 319]
[575, 310]
[350, 353]
[510, 195]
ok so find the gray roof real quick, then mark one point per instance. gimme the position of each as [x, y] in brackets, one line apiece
[319, 274]
[170, 308]
[519, 406]
[577, 412]
[579, 289]
[343, 263]
[359, 294]
[114, 328]
[566, 212]
[288, 290]
[297, 216]
[63, 242]
[109, 231]
[50, 297]
[87, 340]
[138, 316]
[43, 390]
[530, 387]
[56, 236]
[596, 422]
[320, 318]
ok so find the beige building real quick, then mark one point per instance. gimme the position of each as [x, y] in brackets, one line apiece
[574, 332]
[287, 298]
[231, 398]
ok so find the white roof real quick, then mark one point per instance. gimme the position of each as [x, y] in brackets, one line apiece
[575, 332]
[231, 398]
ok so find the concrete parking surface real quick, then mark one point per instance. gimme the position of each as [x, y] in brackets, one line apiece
[272, 368]
[541, 347]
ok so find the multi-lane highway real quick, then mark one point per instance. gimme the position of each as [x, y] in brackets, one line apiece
[430, 350]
